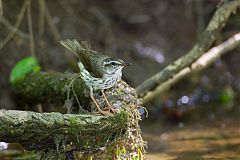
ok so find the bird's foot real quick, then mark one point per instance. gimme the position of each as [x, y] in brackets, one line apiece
[105, 113]
[109, 108]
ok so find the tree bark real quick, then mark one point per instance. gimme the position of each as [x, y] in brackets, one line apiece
[54, 130]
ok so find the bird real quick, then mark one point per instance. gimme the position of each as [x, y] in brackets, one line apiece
[98, 71]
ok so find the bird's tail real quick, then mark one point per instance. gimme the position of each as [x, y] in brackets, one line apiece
[75, 47]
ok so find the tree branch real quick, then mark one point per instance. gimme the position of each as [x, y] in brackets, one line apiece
[11, 28]
[209, 36]
[202, 62]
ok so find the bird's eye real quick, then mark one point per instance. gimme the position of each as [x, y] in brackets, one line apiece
[113, 63]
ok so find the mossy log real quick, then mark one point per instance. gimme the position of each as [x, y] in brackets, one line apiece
[89, 134]
[38, 87]
[60, 131]
[50, 88]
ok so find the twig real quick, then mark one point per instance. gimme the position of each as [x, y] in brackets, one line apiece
[16, 26]
[30, 29]
[52, 26]
[10, 27]
[57, 35]
[42, 9]
[209, 36]
[1, 8]
[204, 61]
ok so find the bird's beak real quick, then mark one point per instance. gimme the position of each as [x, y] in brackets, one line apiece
[126, 64]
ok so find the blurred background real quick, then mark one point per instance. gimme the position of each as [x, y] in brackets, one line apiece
[197, 117]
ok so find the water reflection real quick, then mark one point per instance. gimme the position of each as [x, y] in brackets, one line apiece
[194, 141]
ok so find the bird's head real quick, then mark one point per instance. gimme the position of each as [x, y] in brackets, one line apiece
[114, 65]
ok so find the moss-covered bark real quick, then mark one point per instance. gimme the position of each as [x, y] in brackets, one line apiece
[60, 131]
[42, 87]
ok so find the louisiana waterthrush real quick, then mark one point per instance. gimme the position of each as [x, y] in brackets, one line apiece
[98, 71]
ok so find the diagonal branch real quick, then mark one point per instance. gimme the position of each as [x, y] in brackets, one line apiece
[16, 26]
[30, 30]
[10, 27]
[208, 39]
[204, 61]
[1, 8]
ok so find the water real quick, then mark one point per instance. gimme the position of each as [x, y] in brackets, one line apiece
[200, 140]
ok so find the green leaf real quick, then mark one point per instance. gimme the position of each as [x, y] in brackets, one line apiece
[23, 68]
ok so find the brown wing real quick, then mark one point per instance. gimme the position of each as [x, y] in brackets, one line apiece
[90, 59]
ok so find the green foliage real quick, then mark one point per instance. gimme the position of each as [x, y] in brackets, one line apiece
[23, 68]
[227, 96]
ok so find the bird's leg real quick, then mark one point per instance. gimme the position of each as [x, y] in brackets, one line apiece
[96, 104]
[109, 105]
